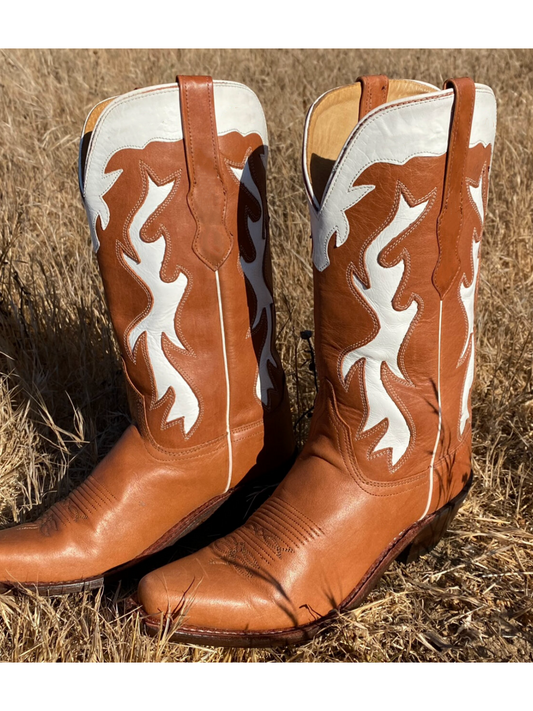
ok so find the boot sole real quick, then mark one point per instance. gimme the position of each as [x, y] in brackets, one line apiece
[416, 541]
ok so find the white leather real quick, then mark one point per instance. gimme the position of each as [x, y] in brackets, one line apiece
[467, 387]
[136, 119]
[392, 133]
[393, 327]
[164, 299]
[468, 296]
[255, 273]
[476, 192]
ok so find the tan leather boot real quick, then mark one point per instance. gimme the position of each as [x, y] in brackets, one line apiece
[397, 174]
[173, 179]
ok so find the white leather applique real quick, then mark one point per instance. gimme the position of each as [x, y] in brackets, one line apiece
[393, 328]
[254, 272]
[165, 299]
[395, 133]
[136, 119]
[468, 297]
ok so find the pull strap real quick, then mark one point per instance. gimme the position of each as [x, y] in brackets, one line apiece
[374, 91]
[450, 220]
[207, 196]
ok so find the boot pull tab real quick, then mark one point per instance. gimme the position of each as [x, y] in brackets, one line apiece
[207, 198]
[450, 220]
[374, 91]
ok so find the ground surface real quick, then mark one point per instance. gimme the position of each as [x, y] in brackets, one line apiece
[62, 399]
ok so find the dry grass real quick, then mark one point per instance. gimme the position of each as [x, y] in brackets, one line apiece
[62, 400]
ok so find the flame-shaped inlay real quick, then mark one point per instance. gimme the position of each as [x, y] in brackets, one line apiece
[393, 326]
[254, 272]
[159, 321]
[467, 293]
[331, 218]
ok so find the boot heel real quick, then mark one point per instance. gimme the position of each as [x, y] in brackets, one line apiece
[434, 530]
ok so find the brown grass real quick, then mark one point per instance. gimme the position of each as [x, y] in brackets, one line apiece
[62, 400]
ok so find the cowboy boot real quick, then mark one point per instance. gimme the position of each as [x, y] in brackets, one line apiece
[173, 179]
[397, 177]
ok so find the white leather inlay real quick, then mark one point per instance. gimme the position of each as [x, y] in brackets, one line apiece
[254, 272]
[136, 119]
[393, 133]
[393, 326]
[165, 299]
[468, 297]
[476, 191]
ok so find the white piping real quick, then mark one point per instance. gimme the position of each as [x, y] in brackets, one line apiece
[228, 432]
[437, 439]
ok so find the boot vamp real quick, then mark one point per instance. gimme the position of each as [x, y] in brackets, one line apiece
[132, 500]
[297, 558]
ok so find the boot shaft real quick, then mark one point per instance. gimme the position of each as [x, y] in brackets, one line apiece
[173, 179]
[397, 176]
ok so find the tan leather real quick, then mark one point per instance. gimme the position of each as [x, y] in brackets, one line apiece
[163, 473]
[373, 93]
[335, 115]
[347, 500]
[450, 219]
[212, 242]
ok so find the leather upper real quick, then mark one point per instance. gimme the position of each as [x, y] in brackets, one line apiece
[173, 179]
[396, 227]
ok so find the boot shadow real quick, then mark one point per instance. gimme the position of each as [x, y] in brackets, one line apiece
[62, 369]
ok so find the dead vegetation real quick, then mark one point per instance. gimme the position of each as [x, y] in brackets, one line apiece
[62, 401]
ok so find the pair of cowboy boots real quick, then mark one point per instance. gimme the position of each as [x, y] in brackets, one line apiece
[173, 179]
